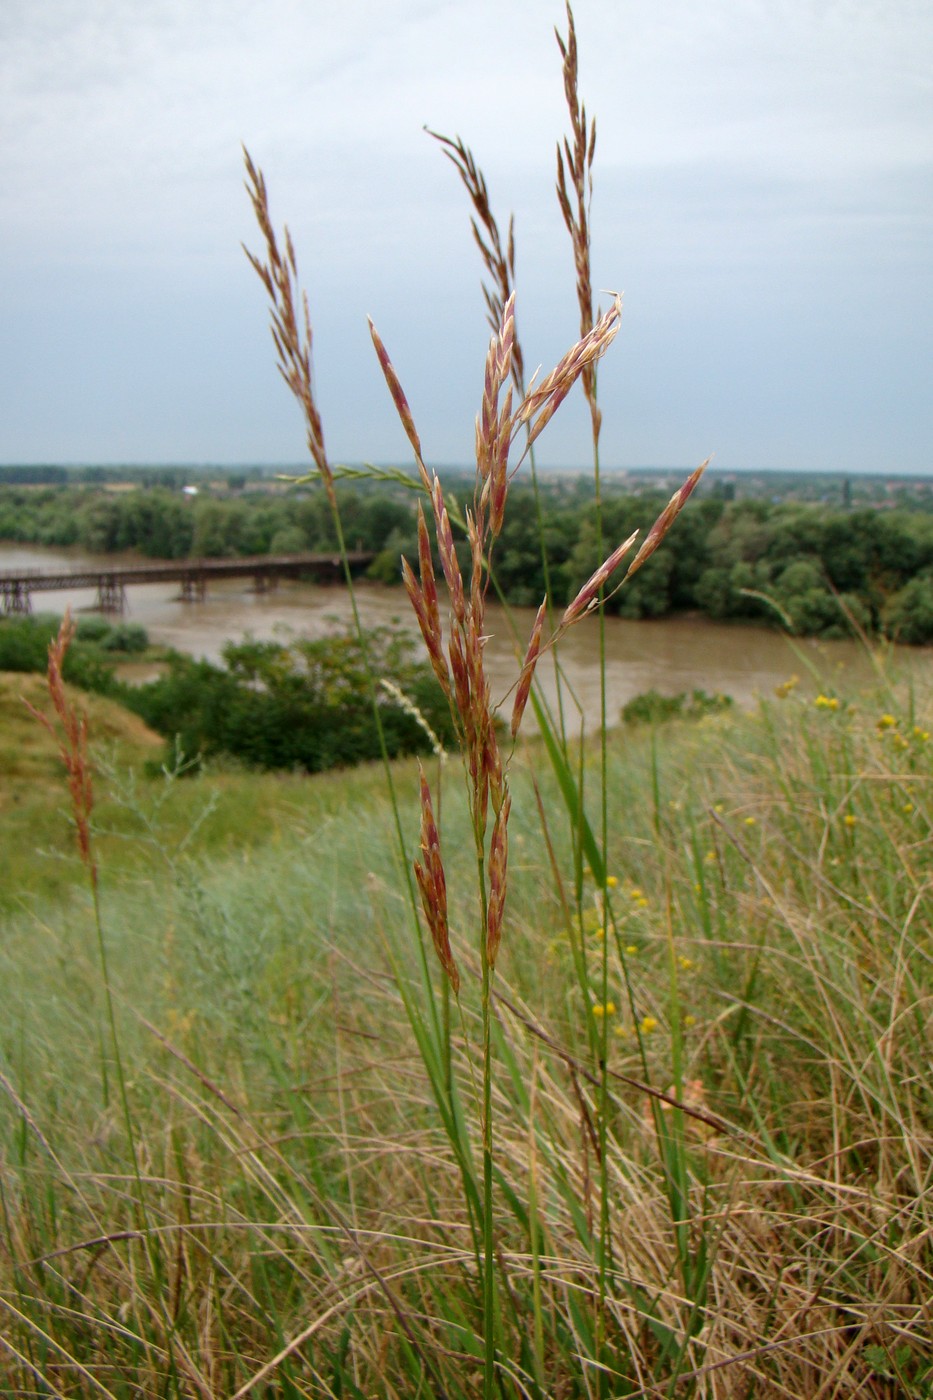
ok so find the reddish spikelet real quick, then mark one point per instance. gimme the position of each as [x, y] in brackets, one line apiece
[429, 623]
[476, 570]
[492, 766]
[494, 426]
[72, 742]
[543, 401]
[433, 886]
[666, 519]
[498, 880]
[589, 593]
[528, 670]
[426, 565]
[461, 678]
[448, 555]
[398, 398]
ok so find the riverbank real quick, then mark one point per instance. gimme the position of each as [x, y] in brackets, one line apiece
[670, 655]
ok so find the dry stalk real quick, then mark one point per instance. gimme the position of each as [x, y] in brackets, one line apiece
[574, 169]
[499, 261]
[71, 737]
[460, 669]
[293, 339]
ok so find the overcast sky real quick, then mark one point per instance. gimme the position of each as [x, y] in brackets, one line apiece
[763, 198]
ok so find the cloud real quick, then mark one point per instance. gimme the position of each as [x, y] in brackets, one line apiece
[754, 156]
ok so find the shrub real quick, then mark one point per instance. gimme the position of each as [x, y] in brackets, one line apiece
[651, 707]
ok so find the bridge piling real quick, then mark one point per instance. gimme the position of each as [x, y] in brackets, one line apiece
[111, 595]
[17, 599]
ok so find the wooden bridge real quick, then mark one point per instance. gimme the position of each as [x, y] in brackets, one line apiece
[16, 589]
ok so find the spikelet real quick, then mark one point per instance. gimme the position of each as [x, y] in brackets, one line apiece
[666, 519]
[498, 880]
[429, 873]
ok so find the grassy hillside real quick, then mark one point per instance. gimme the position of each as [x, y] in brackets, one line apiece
[294, 1180]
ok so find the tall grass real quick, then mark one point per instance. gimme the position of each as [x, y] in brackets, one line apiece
[658, 1124]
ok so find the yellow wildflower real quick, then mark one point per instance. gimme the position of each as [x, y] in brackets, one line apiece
[685, 963]
[849, 820]
[751, 821]
[608, 1010]
[631, 948]
[612, 881]
[826, 702]
[886, 722]
[648, 1024]
[690, 1020]
[907, 808]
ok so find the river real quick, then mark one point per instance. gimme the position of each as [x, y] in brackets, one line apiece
[671, 655]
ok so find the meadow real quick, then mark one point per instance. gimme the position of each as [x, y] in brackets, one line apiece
[303, 1124]
[591, 1065]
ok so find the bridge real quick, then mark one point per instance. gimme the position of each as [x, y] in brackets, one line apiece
[194, 575]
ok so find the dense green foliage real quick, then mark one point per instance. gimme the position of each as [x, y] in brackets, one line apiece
[302, 704]
[89, 663]
[276, 705]
[819, 570]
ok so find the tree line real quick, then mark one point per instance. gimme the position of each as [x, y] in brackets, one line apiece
[811, 568]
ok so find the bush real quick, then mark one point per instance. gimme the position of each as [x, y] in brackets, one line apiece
[304, 704]
[652, 707]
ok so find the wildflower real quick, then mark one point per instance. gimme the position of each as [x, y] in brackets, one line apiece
[719, 807]
[849, 820]
[921, 735]
[907, 808]
[631, 948]
[599, 933]
[784, 689]
[710, 857]
[751, 821]
[612, 881]
[690, 1020]
[648, 1024]
[685, 963]
[641, 903]
[636, 893]
[599, 1010]
[826, 702]
[886, 722]
[621, 1031]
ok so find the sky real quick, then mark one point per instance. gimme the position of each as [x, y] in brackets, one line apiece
[763, 198]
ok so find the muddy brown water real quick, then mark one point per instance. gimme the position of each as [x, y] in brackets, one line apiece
[671, 655]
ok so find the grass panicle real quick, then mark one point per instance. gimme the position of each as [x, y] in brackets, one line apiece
[602, 1072]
